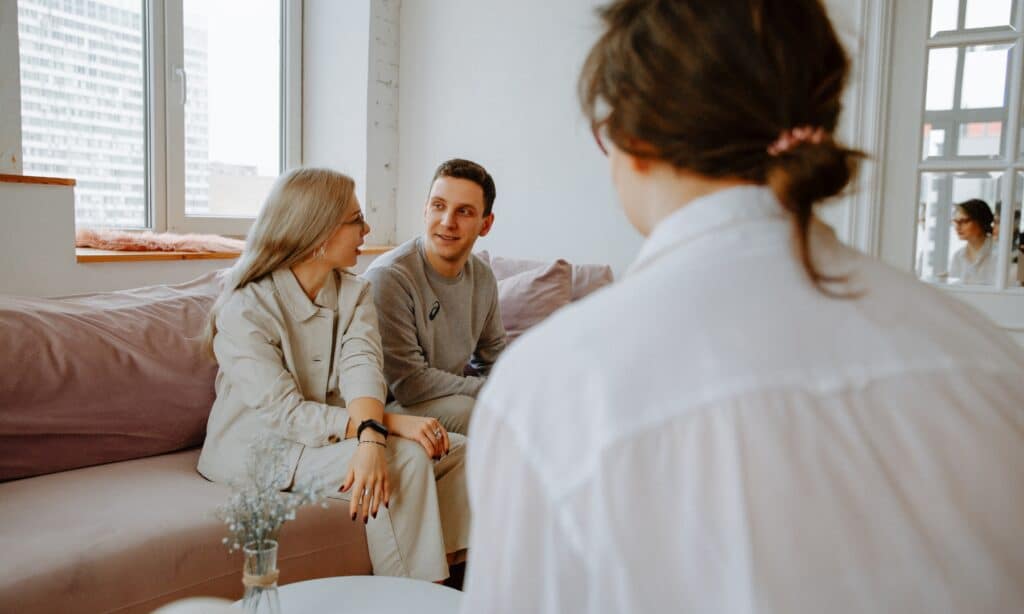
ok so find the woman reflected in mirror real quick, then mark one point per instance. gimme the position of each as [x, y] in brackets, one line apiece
[974, 263]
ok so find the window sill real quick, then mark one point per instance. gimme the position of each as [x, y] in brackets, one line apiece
[5, 178]
[87, 254]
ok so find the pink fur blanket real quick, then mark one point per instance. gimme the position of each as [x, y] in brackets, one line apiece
[121, 240]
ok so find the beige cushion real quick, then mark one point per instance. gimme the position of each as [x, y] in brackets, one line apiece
[104, 377]
[131, 536]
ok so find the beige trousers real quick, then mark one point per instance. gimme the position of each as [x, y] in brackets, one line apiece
[453, 412]
[429, 507]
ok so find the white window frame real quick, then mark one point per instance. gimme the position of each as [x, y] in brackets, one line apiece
[166, 82]
[904, 141]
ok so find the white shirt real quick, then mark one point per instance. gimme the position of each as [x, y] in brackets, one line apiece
[981, 271]
[712, 434]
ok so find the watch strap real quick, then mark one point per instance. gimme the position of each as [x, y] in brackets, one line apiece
[373, 425]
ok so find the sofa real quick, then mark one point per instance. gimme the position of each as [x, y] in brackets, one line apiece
[103, 405]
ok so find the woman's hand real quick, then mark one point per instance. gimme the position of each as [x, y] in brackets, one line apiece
[368, 477]
[428, 432]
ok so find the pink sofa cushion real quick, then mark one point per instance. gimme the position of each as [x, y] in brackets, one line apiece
[530, 295]
[98, 378]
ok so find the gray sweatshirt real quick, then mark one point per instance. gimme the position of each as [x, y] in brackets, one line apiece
[433, 327]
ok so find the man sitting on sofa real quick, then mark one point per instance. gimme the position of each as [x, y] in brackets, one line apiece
[438, 303]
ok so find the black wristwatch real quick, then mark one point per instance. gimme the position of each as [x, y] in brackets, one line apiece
[373, 425]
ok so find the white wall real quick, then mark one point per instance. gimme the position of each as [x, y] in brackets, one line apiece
[10, 101]
[335, 63]
[350, 100]
[494, 81]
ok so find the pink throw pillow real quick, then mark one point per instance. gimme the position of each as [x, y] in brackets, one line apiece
[530, 295]
[586, 278]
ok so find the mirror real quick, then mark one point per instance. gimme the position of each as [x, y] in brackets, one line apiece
[955, 242]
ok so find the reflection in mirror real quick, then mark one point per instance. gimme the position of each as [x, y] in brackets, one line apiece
[979, 14]
[980, 139]
[984, 85]
[965, 104]
[944, 15]
[1015, 272]
[988, 13]
[954, 227]
[933, 144]
[941, 79]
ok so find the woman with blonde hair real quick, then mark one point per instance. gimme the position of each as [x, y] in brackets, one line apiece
[295, 337]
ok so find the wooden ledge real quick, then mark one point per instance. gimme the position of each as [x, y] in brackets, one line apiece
[87, 254]
[37, 180]
[376, 250]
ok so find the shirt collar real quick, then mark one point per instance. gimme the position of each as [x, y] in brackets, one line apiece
[705, 216]
[295, 298]
[983, 253]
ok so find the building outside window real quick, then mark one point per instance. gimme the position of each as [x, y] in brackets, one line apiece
[169, 115]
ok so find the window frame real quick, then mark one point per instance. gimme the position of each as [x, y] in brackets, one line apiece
[167, 118]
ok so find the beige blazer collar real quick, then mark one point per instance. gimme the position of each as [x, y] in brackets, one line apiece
[295, 299]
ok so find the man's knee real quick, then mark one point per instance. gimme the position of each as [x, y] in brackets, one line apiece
[453, 412]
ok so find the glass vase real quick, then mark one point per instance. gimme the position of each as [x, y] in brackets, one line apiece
[259, 575]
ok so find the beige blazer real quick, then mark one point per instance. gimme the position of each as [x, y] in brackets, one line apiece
[289, 366]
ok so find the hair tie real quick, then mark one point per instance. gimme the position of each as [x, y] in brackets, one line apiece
[788, 139]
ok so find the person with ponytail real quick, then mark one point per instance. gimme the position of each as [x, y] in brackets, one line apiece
[755, 417]
[299, 356]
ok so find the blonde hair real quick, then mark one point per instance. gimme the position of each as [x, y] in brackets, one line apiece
[303, 209]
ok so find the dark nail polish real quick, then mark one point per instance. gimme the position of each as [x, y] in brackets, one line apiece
[366, 519]
[374, 515]
[353, 516]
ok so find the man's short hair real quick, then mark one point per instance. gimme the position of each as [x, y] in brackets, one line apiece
[467, 169]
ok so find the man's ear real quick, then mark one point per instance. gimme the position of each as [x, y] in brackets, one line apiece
[488, 222]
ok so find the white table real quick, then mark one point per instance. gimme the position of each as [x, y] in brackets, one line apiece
[374, 594]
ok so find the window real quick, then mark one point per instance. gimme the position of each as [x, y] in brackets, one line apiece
[169, 114]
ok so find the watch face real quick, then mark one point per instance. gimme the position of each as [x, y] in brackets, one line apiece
[374, 425]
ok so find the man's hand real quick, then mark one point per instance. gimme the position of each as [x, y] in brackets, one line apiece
[428, 432]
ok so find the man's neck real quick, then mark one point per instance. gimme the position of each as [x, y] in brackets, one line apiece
[442, 267]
